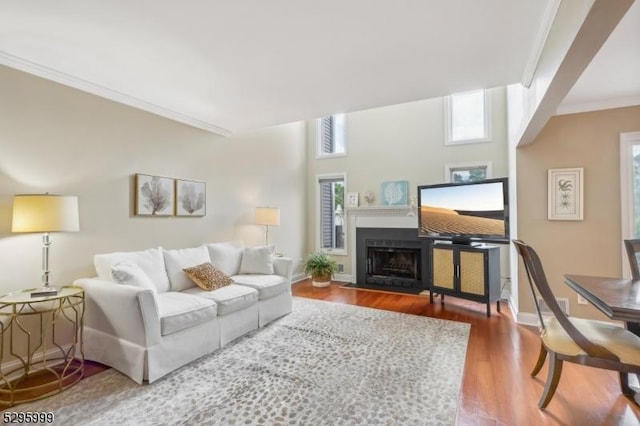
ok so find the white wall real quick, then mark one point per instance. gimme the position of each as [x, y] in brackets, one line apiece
[59, 140]
[401, 142]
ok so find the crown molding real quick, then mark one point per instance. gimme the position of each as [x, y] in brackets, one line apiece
[548, 17]
[597, 106]
[27, 66]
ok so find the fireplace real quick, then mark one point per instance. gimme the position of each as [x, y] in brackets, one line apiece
[401, 264]
[391, 259]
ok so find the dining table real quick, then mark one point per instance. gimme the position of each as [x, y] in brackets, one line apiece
[617, 298]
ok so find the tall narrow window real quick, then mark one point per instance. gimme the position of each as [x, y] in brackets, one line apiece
[331, 136]
[467, 118]
[331, 215]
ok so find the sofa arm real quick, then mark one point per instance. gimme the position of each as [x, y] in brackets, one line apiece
[283, 266]
[126, 312]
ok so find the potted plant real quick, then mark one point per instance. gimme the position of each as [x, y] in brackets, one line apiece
[321, 267]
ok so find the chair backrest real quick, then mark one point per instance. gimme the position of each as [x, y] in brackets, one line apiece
[633, 248]
[538, 280]
[520, 246]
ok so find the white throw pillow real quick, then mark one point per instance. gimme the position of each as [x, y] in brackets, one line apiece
[257, 260]
[131, 274]
[226, 256]
[176, 260]
[150, 261]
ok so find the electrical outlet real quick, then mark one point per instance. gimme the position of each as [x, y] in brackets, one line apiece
[340, 267]
[582, 300]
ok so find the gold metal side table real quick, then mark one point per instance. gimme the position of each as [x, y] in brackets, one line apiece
[40, 344]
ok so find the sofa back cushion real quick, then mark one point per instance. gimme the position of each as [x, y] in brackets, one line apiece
[150, 261]
[177, 260]
[226, 256]
[257, 260]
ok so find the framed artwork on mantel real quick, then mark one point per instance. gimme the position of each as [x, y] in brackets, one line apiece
[352, 199]
[394, 193]
[565, 194]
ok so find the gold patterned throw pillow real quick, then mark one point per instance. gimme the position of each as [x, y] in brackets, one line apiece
[207, 276]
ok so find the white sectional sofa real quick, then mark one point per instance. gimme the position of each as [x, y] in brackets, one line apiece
[145, 317]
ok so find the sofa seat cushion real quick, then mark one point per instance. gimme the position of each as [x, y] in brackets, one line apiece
[229, 298]
[268, 286]
[179, 311]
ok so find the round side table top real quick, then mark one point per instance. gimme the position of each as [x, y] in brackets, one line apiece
[24, 296]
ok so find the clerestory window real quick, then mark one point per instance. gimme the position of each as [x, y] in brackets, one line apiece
[467, 117]
[331, 136]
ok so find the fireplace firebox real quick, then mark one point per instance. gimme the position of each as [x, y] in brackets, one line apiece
[391, 259]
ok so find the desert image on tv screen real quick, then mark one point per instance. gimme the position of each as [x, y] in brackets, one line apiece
[469, 210]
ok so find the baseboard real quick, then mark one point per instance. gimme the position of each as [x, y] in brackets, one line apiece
[348, 278]
[336, 277]
[296, 278]
[526, 318]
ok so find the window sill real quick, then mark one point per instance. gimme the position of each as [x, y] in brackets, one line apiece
[327, 156]
[335, 252]
[466, 141]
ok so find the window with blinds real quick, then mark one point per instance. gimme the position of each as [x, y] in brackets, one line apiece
[331, 217]
[331, 136]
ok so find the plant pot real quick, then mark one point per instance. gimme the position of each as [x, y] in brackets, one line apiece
[321, 280]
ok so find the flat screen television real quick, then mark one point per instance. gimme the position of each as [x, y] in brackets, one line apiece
[465, 212]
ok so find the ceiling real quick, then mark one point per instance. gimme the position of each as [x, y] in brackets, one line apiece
[227, 66]
[612, 79]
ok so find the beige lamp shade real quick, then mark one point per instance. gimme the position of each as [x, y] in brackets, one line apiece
[45, 213]
[267, 216]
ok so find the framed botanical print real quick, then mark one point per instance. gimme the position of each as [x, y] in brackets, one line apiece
[191, 198]
[394, 193]
[565, 194]
[154, 195]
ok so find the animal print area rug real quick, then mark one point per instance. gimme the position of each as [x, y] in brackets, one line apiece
[323, 364]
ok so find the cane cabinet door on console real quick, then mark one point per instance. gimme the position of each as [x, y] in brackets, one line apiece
[465, 271]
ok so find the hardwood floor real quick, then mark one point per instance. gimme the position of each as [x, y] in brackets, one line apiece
[44, 382]
[497, 388]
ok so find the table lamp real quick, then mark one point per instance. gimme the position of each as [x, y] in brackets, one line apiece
[45, 213]
[267, 216]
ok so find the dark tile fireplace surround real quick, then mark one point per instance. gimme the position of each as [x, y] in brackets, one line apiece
[391, 259]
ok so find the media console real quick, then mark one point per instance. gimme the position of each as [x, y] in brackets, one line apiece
[466, 271]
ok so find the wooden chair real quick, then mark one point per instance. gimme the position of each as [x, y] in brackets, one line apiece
[633, 248]
[593, 343]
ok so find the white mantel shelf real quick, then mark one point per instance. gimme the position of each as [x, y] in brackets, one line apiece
[381, 211]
